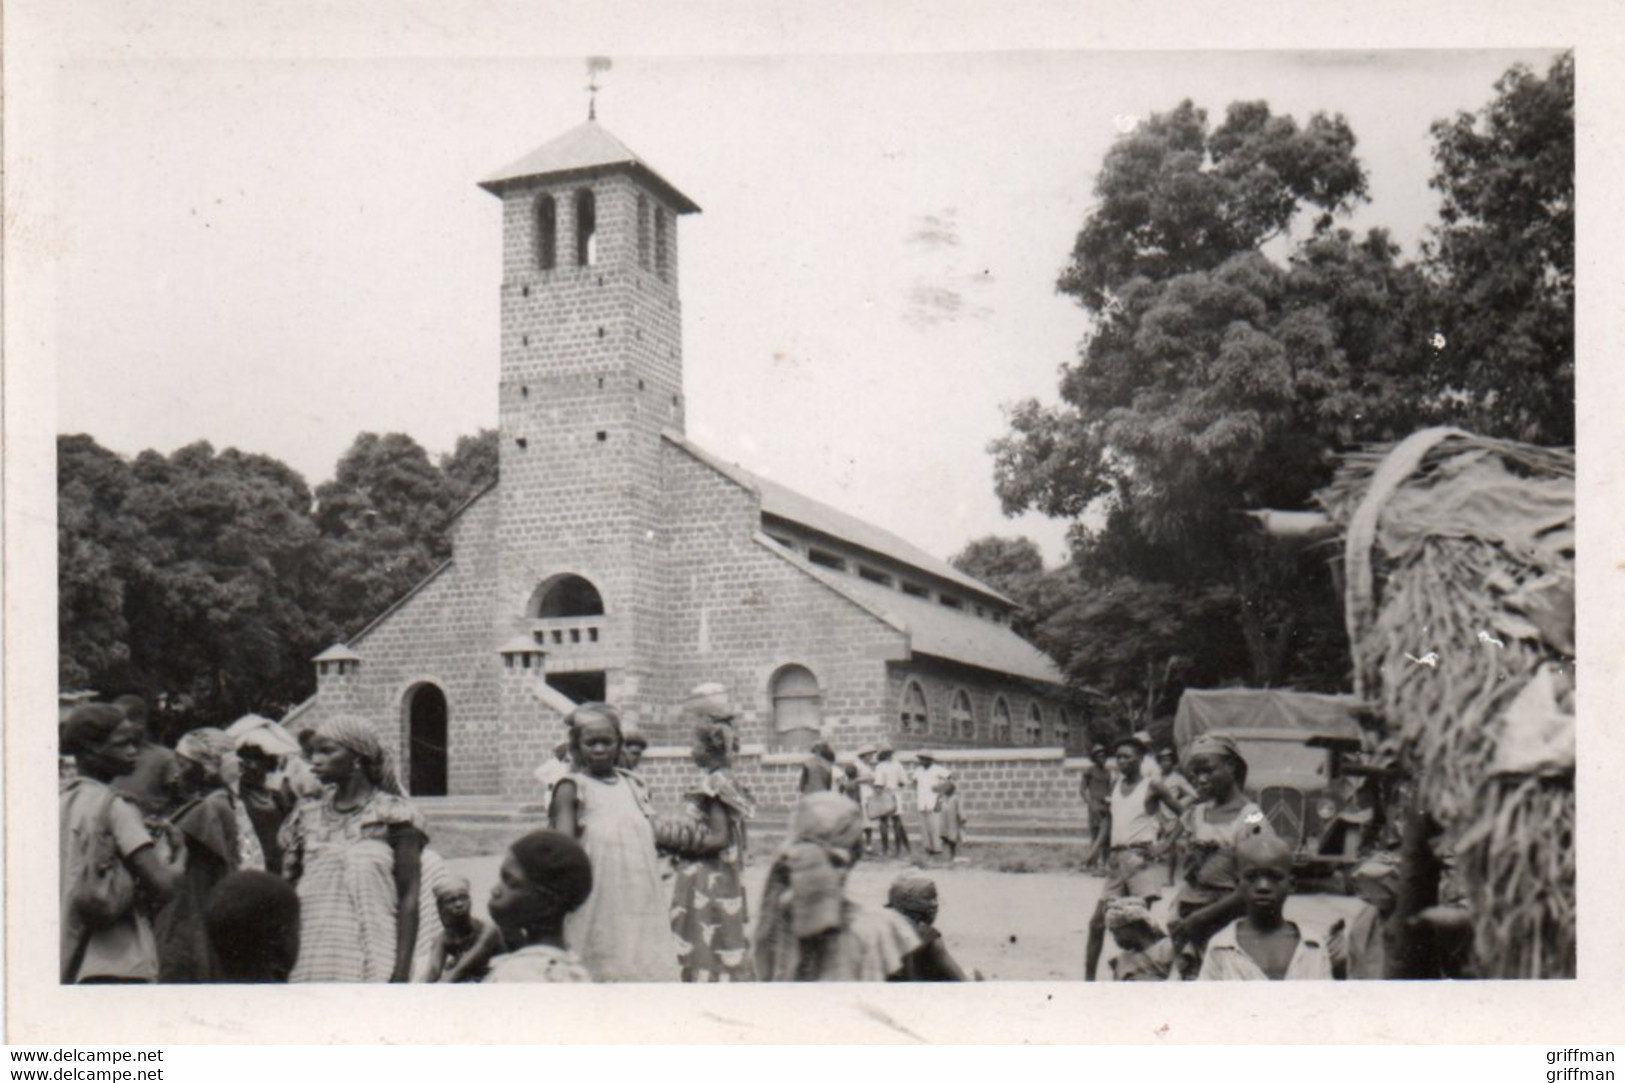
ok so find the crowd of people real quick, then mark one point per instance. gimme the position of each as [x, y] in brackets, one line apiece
[246, 855]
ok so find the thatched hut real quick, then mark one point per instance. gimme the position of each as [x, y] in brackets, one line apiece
[1459, 585]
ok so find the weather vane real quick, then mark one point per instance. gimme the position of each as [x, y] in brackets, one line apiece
[595, 64]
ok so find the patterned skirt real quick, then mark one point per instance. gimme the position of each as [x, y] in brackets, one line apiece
[709, 918]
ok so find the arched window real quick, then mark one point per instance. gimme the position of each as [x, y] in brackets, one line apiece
[586, 228]
[1035, 724]
[960, 720]
[643, 232]
[566, 596]
[547, 233]
[1001, 721]
[797, 707]
[915, 716]
[662, 265]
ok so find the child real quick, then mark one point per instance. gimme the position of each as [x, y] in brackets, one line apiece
[709, 915]
[953, 819]
[545, 876]
[634, 743]
[1262, 945]
[915, 897]
[466, 944]
[1144, 951]
[253, 924]
[623, 930]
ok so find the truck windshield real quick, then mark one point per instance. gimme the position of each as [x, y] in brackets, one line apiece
[1277, 759]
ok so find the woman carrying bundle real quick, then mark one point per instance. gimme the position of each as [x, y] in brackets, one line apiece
[810, 930]
[708, 913]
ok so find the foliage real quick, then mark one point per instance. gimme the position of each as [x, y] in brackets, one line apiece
[206, 581]
[1503, 256]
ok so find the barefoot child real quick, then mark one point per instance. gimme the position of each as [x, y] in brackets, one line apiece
[466, 944]
[1262, 945]
[544, 877]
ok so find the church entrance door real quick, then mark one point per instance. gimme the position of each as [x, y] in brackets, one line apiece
[426, 757]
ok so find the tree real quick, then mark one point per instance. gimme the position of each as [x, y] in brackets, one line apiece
[472, 464]
[98, 543]
[1503, 257]
[1216, 379]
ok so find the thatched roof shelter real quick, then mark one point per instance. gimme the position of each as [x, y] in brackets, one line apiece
[1459, 573]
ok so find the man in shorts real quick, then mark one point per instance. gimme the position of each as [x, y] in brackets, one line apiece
[1133, 866]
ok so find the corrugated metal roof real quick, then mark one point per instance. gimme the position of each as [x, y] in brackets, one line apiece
[942, 632]
[785, 503]
[586, 148]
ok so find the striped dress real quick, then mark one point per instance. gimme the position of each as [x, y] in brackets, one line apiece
[344, 867]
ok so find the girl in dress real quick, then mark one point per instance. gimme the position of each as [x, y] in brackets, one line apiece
[623, 931]
[708, 912]
[356, 856]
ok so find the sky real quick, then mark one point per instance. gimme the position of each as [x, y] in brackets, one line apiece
[278, 253]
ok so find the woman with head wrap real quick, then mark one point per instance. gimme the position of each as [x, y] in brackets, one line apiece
[356, 856]
[1210, 895]
[709, 917]
[623, 930]
[106, 936]
[218, 843]
[810, 929]
[914, 895]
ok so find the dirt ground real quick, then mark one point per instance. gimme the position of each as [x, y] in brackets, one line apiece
[1010, 926]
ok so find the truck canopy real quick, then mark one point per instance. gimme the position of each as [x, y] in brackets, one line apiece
[1234, 710]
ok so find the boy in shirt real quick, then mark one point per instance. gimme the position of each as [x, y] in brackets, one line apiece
[1262, 945]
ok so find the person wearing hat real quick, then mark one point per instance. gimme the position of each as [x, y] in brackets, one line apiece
[1132, 834]
[1210, 895]
[930, 779]
[1262, 945]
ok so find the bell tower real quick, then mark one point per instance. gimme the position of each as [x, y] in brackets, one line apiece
[591, 373]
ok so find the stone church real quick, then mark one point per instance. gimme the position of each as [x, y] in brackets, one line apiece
[614, 559]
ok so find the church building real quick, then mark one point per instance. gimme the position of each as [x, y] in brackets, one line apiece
[616, 560]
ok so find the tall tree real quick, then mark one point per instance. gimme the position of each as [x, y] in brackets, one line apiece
[1215, 378]
[472, 464]
[1503, 255]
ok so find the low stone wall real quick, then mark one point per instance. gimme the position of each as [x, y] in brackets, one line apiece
[1041, 781]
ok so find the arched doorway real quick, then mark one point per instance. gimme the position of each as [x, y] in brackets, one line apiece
[427, 743]
[797, 710]
[566, 596]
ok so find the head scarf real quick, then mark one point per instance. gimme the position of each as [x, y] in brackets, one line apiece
[1217, 744]
[357, 735]
[1132, 911]
[913, 894]
[709, 700]
[211, 749]
[452, 885]
[823, 832]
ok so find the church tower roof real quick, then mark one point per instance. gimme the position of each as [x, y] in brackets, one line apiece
[585, 150]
